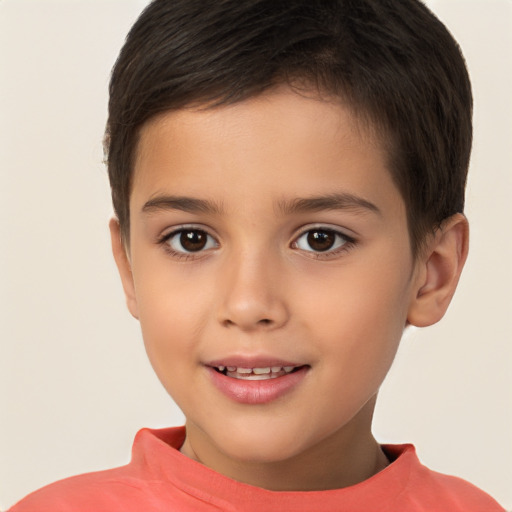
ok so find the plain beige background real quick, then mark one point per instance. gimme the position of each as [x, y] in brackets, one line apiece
[75, 385]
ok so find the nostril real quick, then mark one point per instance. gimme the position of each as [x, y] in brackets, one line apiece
[264, 322]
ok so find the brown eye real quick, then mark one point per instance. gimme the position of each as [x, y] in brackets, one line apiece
[193, 241]
[321, 240]
[190, 240]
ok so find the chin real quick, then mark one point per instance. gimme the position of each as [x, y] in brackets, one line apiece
[260, 445]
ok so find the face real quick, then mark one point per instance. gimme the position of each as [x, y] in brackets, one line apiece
[271, 272]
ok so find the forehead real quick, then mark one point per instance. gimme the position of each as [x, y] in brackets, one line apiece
[279, 143]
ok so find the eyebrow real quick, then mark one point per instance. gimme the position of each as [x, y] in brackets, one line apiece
[185, 204]
[336, 201]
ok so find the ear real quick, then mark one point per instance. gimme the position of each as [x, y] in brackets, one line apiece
[123, 266]
[438, 272]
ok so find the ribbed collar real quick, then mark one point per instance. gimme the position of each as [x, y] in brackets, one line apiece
[156, 457]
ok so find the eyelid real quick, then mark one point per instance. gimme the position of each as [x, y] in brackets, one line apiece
[172, 230]
[170, 233]
[349, 240]
[344, 232]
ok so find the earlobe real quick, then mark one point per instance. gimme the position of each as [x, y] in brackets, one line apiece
[439, 271]
[123, 265]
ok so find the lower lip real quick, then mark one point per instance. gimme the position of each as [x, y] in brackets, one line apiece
[257, 391]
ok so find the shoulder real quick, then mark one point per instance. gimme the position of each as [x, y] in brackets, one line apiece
[101, 491]
[431, 490]
[127, 488]
[455, 492]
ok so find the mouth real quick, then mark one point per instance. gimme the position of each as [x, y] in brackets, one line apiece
[258, 373]
[256, 380]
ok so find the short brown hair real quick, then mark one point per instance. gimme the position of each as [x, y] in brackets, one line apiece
[392, 61]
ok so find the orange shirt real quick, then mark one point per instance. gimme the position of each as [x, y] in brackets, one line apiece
[159, 478]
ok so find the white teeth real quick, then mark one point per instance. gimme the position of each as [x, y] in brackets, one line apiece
[267, 372]
[261, 371]
[259, 377]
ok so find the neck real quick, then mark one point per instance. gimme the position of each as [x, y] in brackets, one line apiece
[347, 457]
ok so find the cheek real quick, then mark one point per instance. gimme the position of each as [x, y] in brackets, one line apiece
[171, 313]
[358, 317]
[361, 298]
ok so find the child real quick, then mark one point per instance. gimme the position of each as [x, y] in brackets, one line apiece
[288, 179]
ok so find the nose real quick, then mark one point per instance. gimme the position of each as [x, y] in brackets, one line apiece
[253, 296]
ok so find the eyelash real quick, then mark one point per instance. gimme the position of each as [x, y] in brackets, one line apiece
[166, 239]
[346, 244]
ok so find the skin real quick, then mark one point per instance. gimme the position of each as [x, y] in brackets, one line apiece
[258, 288]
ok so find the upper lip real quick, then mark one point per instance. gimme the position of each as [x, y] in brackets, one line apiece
[251, 362]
